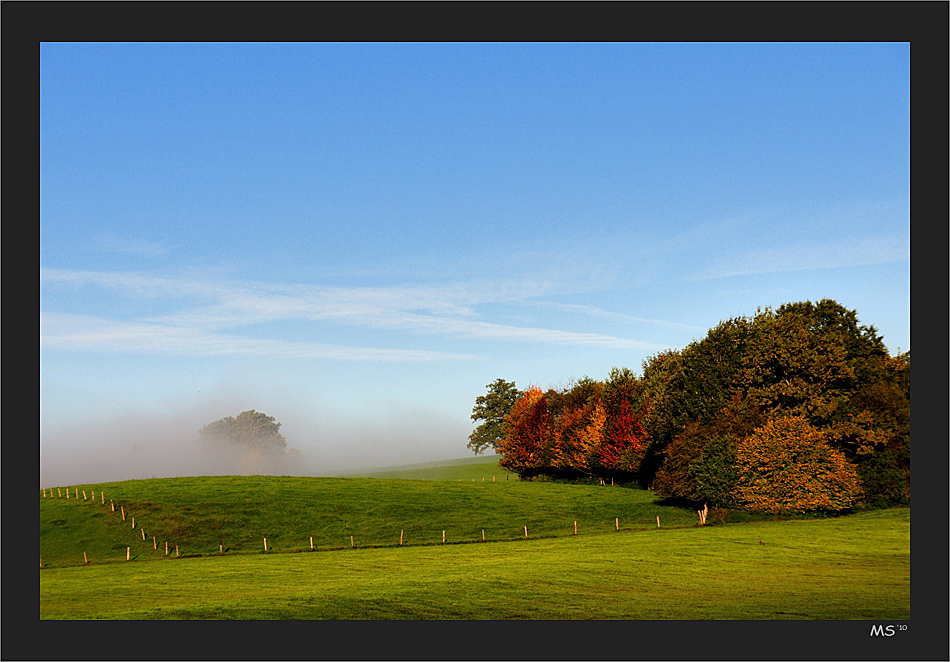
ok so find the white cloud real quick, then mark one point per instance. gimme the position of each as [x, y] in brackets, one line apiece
[864, 251]
[594, 311]
[60, 331]
[209, 308]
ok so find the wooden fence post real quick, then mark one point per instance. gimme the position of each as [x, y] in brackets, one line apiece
[85, 561]
[617, 523]
[176, 550]
[122, 509]
[483, 535]
[143, 533]
[166, 548]
[128, 551]
[83, 495]
[154, 543]
[443, 535]
[265, 544]
[575, 527]
[60, 492]
[311, 542]
[103, 495]
[133, 522]
[526, 533]
[658, 521]
[400, 536]
[351, 542]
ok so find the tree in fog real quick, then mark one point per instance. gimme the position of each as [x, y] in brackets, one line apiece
[249, 431]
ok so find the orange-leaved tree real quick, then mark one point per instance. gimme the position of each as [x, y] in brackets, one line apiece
[787, 465]
[565, 451]
[578, 437]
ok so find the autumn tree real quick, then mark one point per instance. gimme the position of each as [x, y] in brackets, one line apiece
[625, 439]
[787, 465]
[578, 419]
[527, 434]
[804, 396]
[592, 428]
[813, 360]
[492, 408]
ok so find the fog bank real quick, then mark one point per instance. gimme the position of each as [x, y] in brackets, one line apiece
[135, 446]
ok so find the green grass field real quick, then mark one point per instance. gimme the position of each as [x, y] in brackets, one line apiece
[852, 567]
[483, 467]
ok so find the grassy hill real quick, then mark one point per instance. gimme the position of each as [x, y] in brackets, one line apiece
[852, 567]
[470, 468]
[202, 515]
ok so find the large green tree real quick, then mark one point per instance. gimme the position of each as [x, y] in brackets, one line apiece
[492, 408]
[809, 360]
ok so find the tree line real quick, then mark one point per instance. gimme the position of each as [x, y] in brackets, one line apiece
[791, 410]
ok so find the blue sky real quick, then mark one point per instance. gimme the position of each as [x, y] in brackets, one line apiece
[358, 238]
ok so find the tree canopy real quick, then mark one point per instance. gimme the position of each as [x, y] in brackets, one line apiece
[592, 428]
[492, 409]
[250, 431]
[799, 408]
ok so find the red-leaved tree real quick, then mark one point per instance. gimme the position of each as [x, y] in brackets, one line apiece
[528, 433]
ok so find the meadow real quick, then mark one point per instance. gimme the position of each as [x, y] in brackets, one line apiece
[619, 565]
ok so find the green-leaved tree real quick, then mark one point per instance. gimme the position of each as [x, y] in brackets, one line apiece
[492, 408]
[249, 431]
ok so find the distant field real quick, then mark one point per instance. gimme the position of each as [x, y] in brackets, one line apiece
[852, 567]
[470, 468]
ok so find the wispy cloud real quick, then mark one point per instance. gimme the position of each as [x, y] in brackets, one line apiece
[86, 333]
[594, 311]
[864, 251]
[112, 243]
[214, 317]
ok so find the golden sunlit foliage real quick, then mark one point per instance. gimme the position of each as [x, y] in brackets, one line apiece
[794, 409]
[787, 465]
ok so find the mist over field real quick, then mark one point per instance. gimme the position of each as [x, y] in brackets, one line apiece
[137, 445]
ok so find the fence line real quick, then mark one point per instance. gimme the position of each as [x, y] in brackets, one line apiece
[702, 520]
